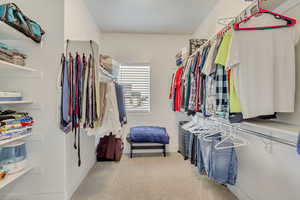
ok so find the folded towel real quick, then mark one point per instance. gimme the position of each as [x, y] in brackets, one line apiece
[298, 145]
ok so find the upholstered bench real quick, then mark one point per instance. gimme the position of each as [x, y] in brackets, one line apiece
[148, 137]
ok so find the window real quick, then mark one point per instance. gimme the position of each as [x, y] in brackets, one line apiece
[136, 82]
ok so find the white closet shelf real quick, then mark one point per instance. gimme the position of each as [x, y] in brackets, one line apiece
[15, 102]
[7, 65]
[275, 126]
[9, 33]
[11, 178]
[7, 141]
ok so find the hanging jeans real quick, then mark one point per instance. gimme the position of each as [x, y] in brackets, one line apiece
[186, 138]
[219, 165]
[192, 148]
[223, 167]
[200, 162]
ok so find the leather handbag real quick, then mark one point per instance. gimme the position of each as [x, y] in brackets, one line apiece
[109, 148]
[14, 17]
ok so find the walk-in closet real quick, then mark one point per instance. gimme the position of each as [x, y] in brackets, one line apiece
[149, 100]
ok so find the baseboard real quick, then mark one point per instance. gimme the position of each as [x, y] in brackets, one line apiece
[47, 196]
[240, 194]
[70, 194]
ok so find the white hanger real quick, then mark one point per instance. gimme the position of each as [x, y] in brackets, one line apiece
[216, 130]
[198, 125]
[236, 141]
[190, 124]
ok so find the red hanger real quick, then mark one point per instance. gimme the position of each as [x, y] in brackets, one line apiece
[290, 21]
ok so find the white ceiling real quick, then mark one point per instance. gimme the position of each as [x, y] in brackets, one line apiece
[150, 16]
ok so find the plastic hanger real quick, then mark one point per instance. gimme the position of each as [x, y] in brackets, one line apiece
[195, 123]
[214, 132]
[190, 124]
[290, 21]
[199, 127]
[236, 141]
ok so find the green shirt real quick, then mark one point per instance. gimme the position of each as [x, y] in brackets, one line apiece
[235, 106]
[222, 55]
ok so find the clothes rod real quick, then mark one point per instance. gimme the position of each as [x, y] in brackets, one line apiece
[91, 41]
[258, 134]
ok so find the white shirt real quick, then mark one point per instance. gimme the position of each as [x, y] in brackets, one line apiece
[111, 122]
[207, 69]
[263, 63]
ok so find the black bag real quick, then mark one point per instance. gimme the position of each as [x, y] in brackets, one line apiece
[13, 16]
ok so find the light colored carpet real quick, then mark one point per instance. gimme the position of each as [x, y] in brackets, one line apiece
[149, 178]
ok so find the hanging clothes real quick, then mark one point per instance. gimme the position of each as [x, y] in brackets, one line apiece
[121, 103]
[268, 57]
[102, 97]
[177, 89]
[235, 106]
[222, 91]
[78, 96]
[65, 119]
[111, 122]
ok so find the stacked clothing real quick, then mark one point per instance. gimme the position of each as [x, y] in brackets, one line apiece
[181, 57]
[11, 96]
[14, 124]
[110, 65]
[12, 55]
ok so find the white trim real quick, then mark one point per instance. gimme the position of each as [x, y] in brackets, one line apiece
[13, 139]
[241, 195]
[11, 178]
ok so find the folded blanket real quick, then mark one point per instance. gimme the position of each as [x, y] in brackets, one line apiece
[149, 134]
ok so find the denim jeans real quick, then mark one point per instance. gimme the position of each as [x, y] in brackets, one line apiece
[186, 138]
[205, 149]
[223, 167]
[200, 161]
[12, 154]
[192, 154]
[219, 165]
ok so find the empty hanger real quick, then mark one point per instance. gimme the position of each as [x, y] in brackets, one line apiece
[233, 142]
[289, 21]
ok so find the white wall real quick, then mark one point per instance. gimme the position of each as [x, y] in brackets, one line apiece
[55, 174]
[46, 146]
[159, 51]
[293, 9]
[265, 171]
[222, 9]
[79, 25]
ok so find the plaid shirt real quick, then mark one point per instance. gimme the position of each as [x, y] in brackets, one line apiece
[192, 100]
[222, 101]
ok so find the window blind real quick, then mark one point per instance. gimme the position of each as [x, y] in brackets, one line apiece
[136, 82]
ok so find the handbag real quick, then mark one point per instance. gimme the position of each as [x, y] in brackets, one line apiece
[110, 148]
[14, 17]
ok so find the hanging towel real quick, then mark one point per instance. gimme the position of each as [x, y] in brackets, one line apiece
[298, 145]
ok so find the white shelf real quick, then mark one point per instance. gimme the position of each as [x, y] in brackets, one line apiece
[7, 141]
[11, 178]
[15, 102]
[7, 65]
[9, 33]
[275, 126]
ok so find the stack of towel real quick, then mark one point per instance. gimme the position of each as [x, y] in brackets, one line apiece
[12, 55]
